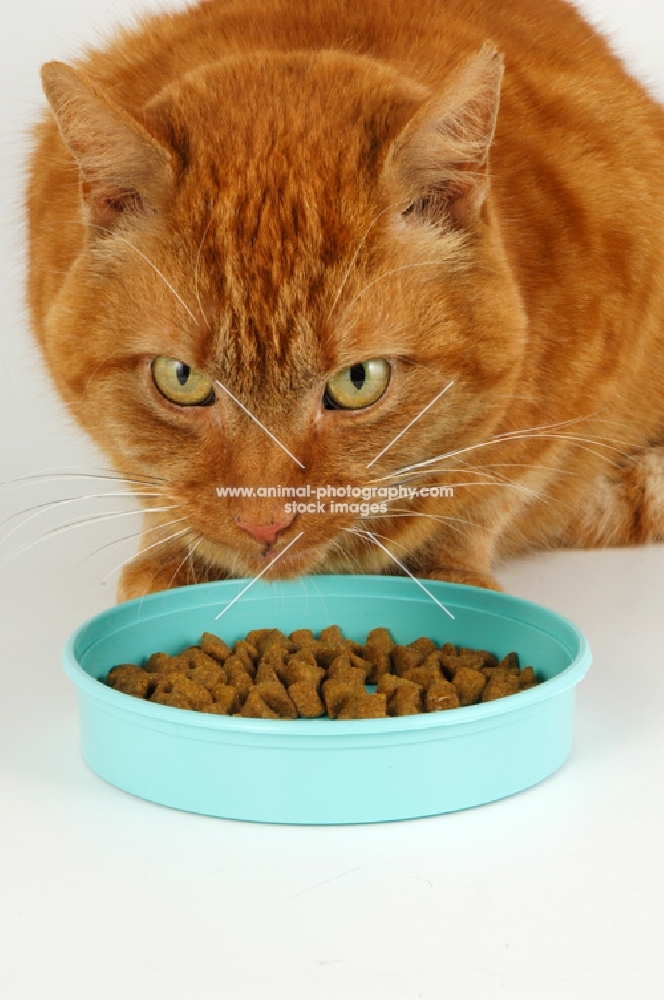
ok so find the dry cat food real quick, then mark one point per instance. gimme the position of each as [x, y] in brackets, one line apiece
[270, 675]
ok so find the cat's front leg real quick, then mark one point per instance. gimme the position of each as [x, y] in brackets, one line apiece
[149, 573]
[458, 574]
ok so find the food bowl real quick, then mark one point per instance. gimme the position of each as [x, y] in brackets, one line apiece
[324, 770]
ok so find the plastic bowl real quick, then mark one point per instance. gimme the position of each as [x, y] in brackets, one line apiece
[325, 771]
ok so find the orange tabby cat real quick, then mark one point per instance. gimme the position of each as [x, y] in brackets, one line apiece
[265, 235]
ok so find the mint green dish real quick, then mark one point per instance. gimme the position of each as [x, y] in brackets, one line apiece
[324, 771]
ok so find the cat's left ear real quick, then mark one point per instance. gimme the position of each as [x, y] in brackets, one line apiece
[438, 165]
[123, 168]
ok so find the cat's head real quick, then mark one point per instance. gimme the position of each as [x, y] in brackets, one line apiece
[284, 259]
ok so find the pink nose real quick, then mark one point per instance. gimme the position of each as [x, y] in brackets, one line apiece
[264, 532]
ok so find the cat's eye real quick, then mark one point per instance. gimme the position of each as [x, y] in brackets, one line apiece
[182, 384]
[359, 386]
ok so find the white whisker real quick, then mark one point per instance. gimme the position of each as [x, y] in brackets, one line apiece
[354, 258]
[74, 524]
[408, 572]
[252, 582]
[156, 270]
[127, 538]
[198, 260]
[43, 508]
[386, 274]
[408, 426]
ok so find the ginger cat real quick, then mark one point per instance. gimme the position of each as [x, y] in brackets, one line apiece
[290, 242]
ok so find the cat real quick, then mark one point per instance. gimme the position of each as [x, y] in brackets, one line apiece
[286, 243]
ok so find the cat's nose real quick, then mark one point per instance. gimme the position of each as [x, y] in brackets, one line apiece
[265, 531]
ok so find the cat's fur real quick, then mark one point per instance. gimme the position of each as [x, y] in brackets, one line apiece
[273, 190]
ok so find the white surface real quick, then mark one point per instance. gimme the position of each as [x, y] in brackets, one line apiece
[554, 893]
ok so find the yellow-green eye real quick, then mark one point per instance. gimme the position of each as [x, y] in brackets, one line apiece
[358, 386]
[181, 384]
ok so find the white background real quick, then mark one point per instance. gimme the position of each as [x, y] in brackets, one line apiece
[553, 894]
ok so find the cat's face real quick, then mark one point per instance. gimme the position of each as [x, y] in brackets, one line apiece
[298, 258]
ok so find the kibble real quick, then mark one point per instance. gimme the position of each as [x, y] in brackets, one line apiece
[270, 675]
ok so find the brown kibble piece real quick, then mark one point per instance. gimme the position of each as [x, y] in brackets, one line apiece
[306, 657]
[163, 663]
[453, 663]
[527, 678]
[389, 683]
[379, 658]
[196, 695]
[326, 653]
[509, 662]
[469, 685]
[248, 653]
[240, 680]
[197, 658]
[179, 692]
[361, 705]
[332, 636]
[296, 671]
[366, 666]
[336, 693]
[302, 637]
[170, 699]
[405, 658]
[341, 668]
[215, 647]
[488, 659]
[269, 638]
[276, 697]
[424, 645]
[243, 663]
[266, 673]
[208, 676]
[306, 699]
[380, 637]
[227, 698]
[501, 683]
[129, 679]
[424, 675]
[255, 708]
[441, 695]
[406, 700]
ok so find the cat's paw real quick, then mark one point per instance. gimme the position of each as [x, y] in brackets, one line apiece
[456, 574]
[145, 575]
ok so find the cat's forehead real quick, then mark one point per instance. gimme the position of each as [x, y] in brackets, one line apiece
[279, 159]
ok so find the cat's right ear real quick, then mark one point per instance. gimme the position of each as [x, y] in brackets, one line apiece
[122, 167]
[438, 167]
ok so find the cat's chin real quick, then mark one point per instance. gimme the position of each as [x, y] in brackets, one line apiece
[273, 562]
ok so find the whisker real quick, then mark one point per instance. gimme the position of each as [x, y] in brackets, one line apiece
[42, 508]
[162, 541]
[354, 258]
[409, 425]
[46, 477]
[198, 260]
[498, 437]
[521, 436]
[147, 260]
[259, 575]
[74, 524]
[386, 274]
[401, 512]
[127, 538]
[407, 571]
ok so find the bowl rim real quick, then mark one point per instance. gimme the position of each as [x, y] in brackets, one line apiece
[194, 724]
